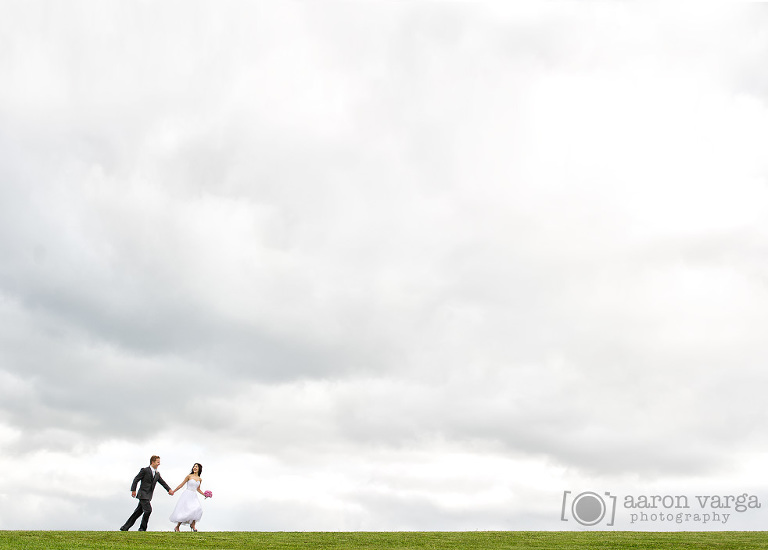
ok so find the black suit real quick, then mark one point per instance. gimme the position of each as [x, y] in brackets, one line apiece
[148, 482]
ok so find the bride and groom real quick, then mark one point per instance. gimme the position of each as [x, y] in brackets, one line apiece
[188, 508]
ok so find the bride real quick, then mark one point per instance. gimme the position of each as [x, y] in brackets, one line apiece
[188, 509]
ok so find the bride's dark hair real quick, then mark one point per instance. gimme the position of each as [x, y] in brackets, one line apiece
[199, 469]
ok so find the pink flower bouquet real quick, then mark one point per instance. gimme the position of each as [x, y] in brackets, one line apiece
[207, 494]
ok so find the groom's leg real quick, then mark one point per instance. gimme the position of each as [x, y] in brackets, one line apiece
[147, 509]
[134, 516]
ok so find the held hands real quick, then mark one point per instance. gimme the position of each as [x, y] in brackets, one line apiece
[171, 492]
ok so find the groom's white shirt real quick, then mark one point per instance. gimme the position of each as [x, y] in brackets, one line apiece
[154, 472]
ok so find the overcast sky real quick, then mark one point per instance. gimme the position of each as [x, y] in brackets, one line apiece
[380, 265]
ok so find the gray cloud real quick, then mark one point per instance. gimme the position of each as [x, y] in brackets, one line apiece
[301, 232]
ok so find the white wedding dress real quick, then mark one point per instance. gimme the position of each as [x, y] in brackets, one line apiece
[188, 507]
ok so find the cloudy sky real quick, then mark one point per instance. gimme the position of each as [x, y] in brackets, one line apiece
[380, 265]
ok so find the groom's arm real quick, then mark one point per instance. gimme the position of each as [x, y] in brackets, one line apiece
[162, 482]
[136, 482]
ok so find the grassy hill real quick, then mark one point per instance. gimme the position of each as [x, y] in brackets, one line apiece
[619, 540]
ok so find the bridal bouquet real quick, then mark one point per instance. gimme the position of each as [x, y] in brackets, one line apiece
[207, 494]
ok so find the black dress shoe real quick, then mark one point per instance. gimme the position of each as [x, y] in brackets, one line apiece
[142, 529]
[123, 528]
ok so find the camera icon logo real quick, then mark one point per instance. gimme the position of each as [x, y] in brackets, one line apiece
[589, 508]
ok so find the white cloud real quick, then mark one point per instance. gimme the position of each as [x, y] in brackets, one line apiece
[378, 266]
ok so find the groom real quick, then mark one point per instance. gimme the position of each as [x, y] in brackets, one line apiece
[148, 476]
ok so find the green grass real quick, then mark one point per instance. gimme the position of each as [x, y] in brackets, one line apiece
[483, 540]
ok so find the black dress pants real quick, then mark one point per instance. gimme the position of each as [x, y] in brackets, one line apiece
[145, 508]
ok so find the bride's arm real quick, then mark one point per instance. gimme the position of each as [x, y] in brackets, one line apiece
[181, 484]
[198, 488]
